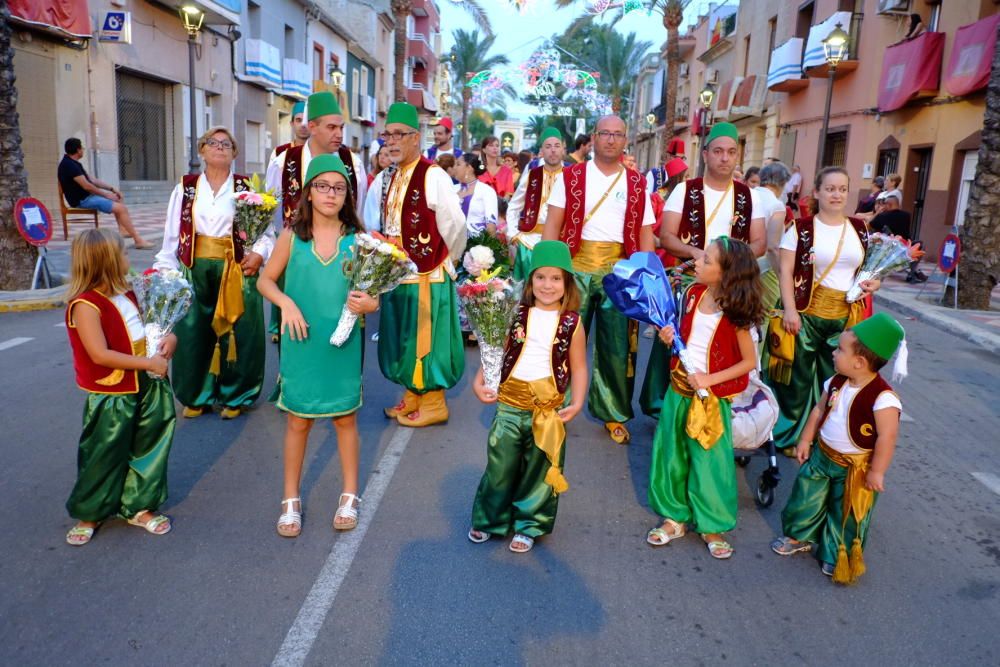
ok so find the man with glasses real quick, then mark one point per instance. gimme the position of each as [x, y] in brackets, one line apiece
[300, 130]
[601, 211]
[420, 339]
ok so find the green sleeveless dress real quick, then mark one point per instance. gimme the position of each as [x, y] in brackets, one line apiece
[318, 379]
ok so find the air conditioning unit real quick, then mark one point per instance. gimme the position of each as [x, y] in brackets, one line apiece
[684, 70]
[711, 75]
[893, 7]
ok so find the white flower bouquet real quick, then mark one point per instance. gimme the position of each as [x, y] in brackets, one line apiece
[885, 254]
[164, 298]
[490, 304]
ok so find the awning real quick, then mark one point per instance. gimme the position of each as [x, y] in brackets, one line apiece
[910, 69]
[814, 56]
[69, 18]
[748, 100]
[724, 98]
[971, 56]
[784, 74]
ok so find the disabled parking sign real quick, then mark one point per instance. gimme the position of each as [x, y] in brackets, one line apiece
[33, 221]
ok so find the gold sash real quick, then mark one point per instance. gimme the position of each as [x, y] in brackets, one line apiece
[117, 375]
[704, 417]
[229, 306]
[858, 498]
[547, 428]
[594, 256]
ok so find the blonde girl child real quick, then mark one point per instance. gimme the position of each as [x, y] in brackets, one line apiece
[692, 478]
[128, 419]
[318, 380]
[545, 355]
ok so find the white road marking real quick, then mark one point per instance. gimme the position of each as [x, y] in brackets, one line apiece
[309, 621]
[904, 417]
[60, 324]
[989, 480]
[13, 342]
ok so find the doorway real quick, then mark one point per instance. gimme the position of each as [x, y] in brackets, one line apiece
[915, 187]
[143, 144]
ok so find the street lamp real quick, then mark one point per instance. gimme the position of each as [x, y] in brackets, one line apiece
[192, 18]
[651, 120]
[705, 97]
[834, 50]
[336, 77]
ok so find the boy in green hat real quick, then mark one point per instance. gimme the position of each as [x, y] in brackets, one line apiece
[528, 207]
[856, 423]
[545, 355]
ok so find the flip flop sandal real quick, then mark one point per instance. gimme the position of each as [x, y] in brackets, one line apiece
[521, 544]
[79, 535]
[346, 511]
[659, 537]
[151, 525]
[720, 549]
[483, 536]
[618, 432]
[784, 546]
[290, 521]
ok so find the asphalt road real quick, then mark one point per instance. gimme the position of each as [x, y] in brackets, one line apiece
[407, 587]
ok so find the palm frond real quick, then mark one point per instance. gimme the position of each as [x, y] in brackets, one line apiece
[478, 15]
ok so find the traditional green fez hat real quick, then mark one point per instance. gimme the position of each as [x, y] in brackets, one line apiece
[880, 333]
[722, 130]
[551, 253]
[300, 107]
[322, 104]
[401, 112]
[549, 133]
[324, 163]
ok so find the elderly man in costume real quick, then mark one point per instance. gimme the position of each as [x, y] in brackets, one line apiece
[528, 208]
[601, 211]
[420, 340]
[698, 211]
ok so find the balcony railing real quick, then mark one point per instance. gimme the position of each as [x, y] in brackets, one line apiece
[263, 63]
[297, 78]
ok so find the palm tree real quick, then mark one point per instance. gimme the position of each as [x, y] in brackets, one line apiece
[16, 257]
[469, 55]
[401, 10]
[618, 61]
[981, 231]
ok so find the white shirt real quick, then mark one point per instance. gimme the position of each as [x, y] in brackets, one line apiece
[769, 206]
[794, 183]
[213, 216]
[441, 198]
[371, 209]
[483, 208]
[276, 166]
[607, 225]
[130, 314]
[834, 431]
[826, 239]
[722, 223]
[535, 361]
[702, 331]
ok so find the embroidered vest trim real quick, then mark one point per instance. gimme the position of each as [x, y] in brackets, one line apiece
[291, 183]
[568, 323]
[692, 230]
[418, 223]
[91, 376]
[802, 275]
[532, 200]
[723, 350]
[185, 240]
[575, 180]
[861, 427]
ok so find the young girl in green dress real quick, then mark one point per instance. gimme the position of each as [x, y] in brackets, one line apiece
[318, 379]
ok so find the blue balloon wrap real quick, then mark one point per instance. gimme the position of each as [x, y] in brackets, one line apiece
[639, 288]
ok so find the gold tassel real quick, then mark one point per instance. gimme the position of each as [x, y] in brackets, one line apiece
[216, 366]
[231, 355]
[857, 560]
[555, 479]
[779, 370]
[842, 571]
[418, 374]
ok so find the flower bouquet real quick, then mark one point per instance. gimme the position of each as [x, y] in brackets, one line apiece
[254, 212]
[375, 267]
[885, 254]
[164, 298]
[485, 254]
[491, 304]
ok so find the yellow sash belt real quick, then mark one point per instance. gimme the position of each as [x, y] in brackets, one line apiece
[858, 498]
[594, 256]
[117, 375]
[548, 430]
[229, 306]
[704, 417]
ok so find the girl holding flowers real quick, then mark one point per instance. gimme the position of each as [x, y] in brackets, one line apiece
[545, 355]
[317, 379]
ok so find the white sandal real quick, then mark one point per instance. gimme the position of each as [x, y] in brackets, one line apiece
[522, 541]
[290, 521]
[346, 511]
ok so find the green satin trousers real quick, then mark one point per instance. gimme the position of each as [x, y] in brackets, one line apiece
[512, 494]
[122, 458]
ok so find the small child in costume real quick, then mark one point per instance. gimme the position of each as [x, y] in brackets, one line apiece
[318, 380]
[545, 355]
[692, 478]
[129, 418]
[856, 421]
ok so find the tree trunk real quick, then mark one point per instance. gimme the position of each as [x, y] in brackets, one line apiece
[673, 16]
[17, 258]
[980, 261]
[401, 10]
[466, 103]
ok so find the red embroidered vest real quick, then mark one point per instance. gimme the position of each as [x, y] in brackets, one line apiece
[185, 241]
[532, 200]
[568, 322]
[91, 376]
[802, 276]
[291, 183]
[693, 217]
[575, 180]
[723, 351]
[281, 149]
[418, 222]
[861, 426]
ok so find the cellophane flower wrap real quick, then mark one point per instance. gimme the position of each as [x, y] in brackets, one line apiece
[164, 298]
[375, 266]
[491, 305]
[254, 212]
[885, 254]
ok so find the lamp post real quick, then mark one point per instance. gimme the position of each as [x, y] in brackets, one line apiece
[834, 50]
[705, 97]
[192, 17]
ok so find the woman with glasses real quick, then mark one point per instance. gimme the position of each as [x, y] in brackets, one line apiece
[220, 352]
[497, 175]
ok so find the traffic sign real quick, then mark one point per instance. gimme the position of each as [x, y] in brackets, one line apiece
[951, 251]
[33, 221]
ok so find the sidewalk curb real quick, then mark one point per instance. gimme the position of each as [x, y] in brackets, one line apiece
[27, 300]
[929, 313]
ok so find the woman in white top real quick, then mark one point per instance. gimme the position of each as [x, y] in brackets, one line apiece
[220, 355]
[819, 257]
[479, 200]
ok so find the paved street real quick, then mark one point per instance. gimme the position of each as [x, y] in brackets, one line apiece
[407, 588]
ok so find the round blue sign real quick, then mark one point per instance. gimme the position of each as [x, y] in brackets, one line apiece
[33, 221]
[951, 250]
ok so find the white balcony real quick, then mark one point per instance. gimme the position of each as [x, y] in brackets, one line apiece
[263, 63]
[296, 78]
